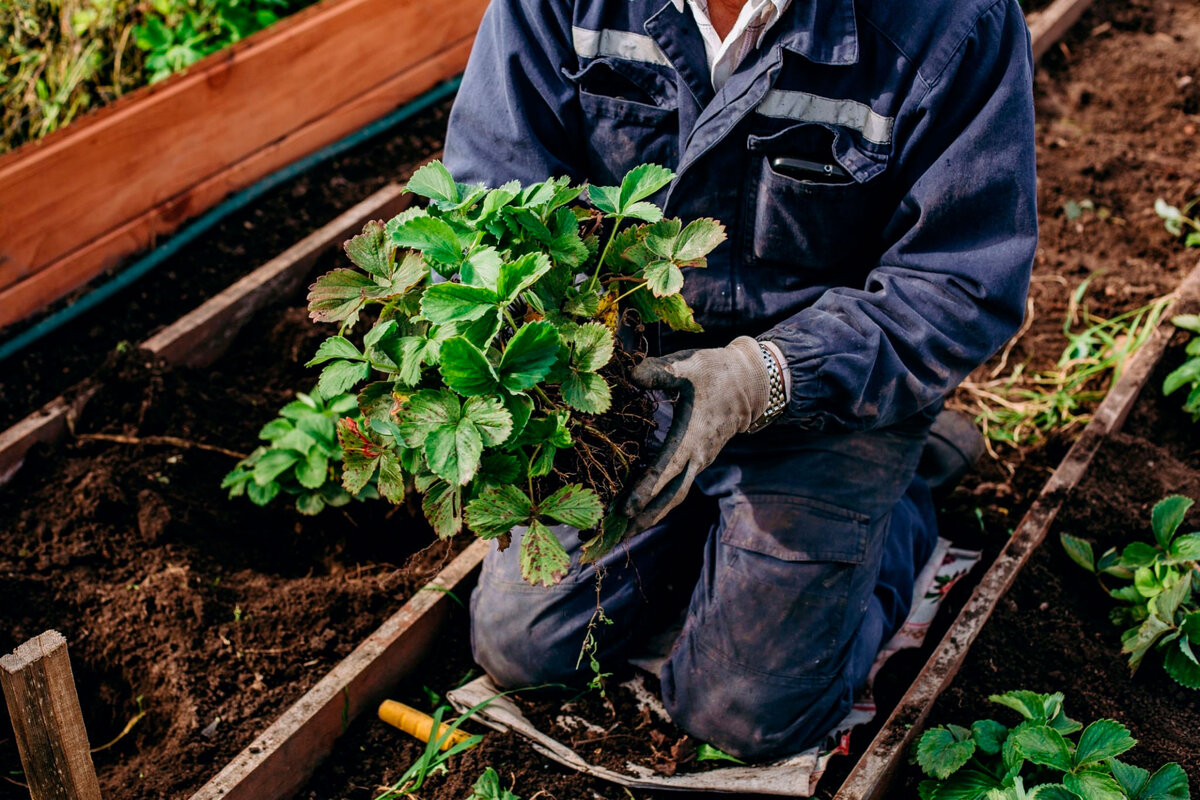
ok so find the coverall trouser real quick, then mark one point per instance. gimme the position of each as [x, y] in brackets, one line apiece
[807, 543]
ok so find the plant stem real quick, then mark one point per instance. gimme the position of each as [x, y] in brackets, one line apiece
[622, 296]
[604, 255]
[165, 441]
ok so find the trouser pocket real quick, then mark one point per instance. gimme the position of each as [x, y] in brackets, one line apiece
[791, 586]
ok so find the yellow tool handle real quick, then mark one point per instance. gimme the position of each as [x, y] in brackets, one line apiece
[417, 723]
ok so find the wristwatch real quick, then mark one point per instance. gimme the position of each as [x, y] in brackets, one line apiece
[777, 398]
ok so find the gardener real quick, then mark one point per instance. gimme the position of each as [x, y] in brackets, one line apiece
[873, 162]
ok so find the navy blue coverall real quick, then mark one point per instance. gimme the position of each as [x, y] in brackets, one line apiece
[883, 288]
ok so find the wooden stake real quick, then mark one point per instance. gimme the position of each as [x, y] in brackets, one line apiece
[44, 706]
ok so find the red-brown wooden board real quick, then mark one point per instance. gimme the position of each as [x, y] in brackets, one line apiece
[75, 203]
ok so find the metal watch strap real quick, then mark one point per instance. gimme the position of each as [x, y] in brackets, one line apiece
[776, 399]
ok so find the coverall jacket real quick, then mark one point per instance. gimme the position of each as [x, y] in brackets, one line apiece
[885, 277]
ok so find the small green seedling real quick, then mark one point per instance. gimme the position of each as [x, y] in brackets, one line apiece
[433, 757]
[495, 314]
[1181, 222]
[302, 456]
[1038, 759]
[488, 788]
[1159, 604]
[1188, 373]
[706, 752]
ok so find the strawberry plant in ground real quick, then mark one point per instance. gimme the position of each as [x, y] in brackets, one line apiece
[486, 379]
[1159, 606]
[1039, 758]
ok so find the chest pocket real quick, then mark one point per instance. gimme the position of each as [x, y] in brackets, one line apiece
[630, 113]
[807, 217]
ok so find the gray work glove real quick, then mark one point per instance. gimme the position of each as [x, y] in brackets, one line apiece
[721, 392]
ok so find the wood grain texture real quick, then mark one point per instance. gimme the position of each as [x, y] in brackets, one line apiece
[74, 205]
[47, 721]
[281, 760]
[870, 778]
[47, 425]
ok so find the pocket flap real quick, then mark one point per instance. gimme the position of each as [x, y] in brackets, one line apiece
[797, 529]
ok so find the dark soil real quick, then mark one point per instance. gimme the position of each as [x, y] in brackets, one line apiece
[241, 243]
[212, 615]
[1117, 125]
[1056, 615]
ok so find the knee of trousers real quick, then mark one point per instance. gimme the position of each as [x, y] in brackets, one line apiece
[525, 635]
[749, 715]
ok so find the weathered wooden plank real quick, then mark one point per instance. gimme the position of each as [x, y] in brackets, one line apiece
[60, 194]
[47, 721]
[48, 424]
[1048, 25]
[76, 268]
[279, 761]
[870, 777]
[201, 336]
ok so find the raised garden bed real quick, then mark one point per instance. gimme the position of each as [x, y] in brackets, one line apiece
[209, 614]
[1061, 607]
[109, 184]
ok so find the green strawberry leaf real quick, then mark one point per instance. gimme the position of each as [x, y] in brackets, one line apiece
[1180, 664]
[370, 250]
[491, 419]
[391, 478]
[519, 275]
[335, 347]
[543, 559]
[1104, 738]
[482, 268]
[273, 464]
[434, 181]
[339, 296]
[641, 182]
[587, 392]
[1041, 744]
[313, 470]
[1093, 786]
[1131, 779]
[341, 376]
[453, 302]
[442, 505]
[497, 511]
[360, 456]
[605, 198]
[1170, 782]
[989, 735]
[1166, 517]
[435, 238]
[465, 368]
[310, 504]
[573, 505]
[453, 451]
[1079, 550]
[663, 278]
[591, 346]
[529, 356]
[697, 240]
[943, 750]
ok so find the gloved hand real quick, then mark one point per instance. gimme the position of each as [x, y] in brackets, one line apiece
[721, 392]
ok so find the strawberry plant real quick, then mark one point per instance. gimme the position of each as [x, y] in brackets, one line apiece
[1188, 373]
[301, 457]
[491, 380]
[1159, 603]
[1038, 759]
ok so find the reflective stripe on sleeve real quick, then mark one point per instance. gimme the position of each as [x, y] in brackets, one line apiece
[805, 107]
[617, 44]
